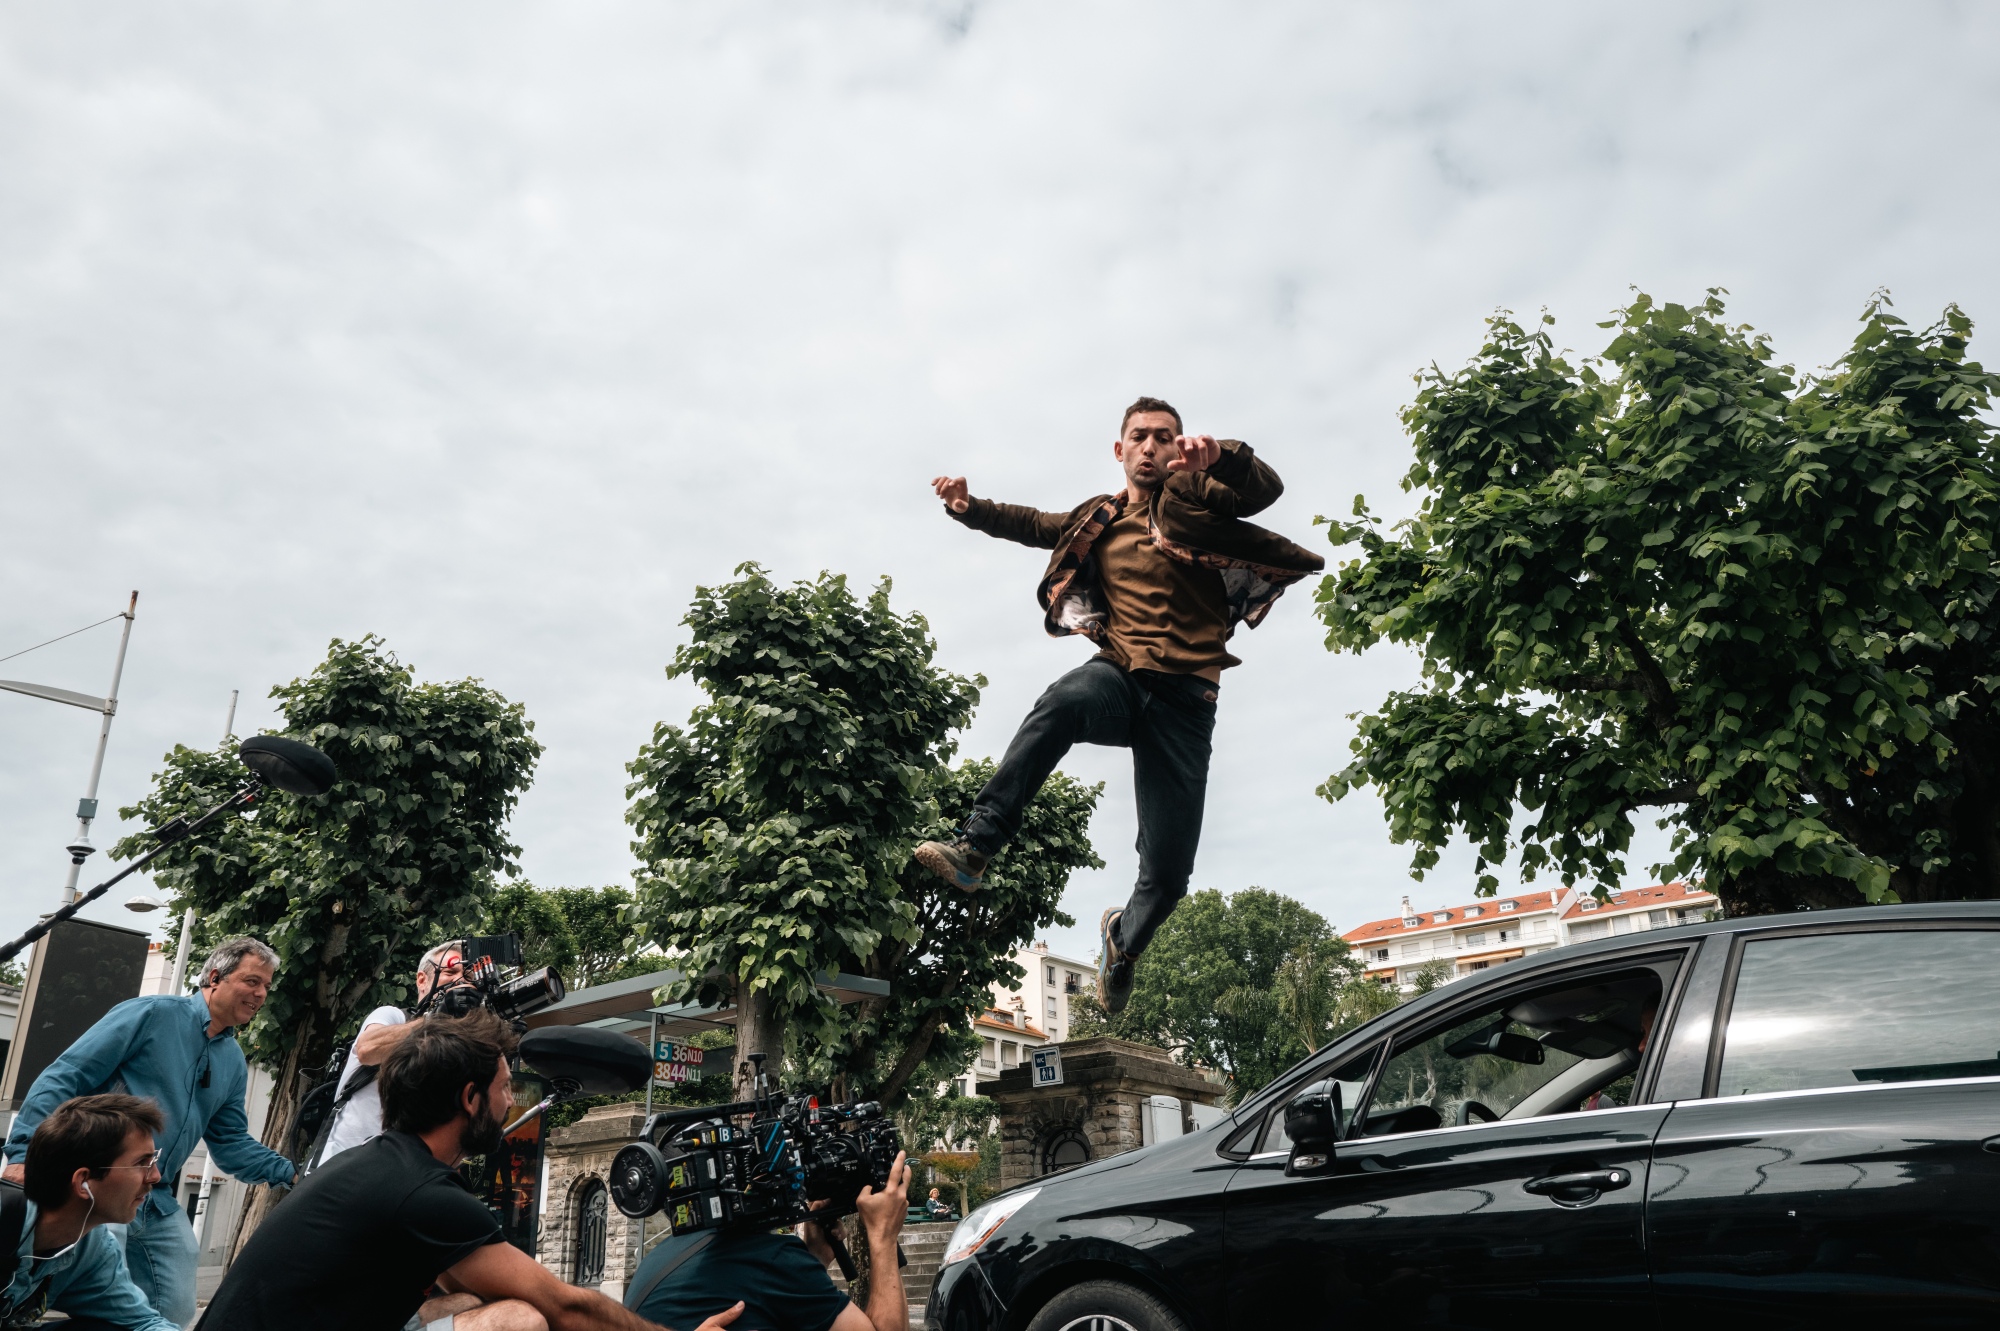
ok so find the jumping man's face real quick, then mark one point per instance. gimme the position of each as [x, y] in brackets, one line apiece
[1146, 447]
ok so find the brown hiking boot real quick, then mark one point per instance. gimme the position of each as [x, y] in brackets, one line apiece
[957, 862]
[1114, 970]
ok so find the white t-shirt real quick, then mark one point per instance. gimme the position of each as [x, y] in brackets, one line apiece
[360, 1119]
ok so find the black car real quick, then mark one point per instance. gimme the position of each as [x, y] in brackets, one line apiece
[1791, 1121]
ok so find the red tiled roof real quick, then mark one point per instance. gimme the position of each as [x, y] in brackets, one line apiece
[1389, 928]
[1641, 898]
[997, 1019]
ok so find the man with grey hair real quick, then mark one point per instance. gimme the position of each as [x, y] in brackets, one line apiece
[357, 1104]
[179, 1051]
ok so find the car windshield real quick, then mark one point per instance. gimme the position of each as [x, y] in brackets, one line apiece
[1557, 1050]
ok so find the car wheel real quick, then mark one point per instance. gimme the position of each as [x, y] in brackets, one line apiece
[1105, 1305]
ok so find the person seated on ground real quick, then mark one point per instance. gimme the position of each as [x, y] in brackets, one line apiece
[359, 1244]
[782, 1278]
[936, 1207]
[90, 1163]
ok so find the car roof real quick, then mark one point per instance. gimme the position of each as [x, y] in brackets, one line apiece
[1632, 944]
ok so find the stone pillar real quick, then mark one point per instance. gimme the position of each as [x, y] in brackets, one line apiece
[1098, 1108]
[579, 1156]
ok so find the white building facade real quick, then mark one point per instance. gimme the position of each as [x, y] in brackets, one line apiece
[1051, 981]
[1482, 934]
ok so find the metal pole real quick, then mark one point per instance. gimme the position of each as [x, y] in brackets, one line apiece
[229, 726]
[652, 1052]
[86, 810]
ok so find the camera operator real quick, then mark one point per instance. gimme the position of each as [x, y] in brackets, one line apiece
[781, 1277]
[357, 1105]
[90, 1164]
[180, 1052]
[361, 1242]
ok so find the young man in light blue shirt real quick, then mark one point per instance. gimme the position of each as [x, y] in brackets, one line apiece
[180, 1052]
[90, 1165]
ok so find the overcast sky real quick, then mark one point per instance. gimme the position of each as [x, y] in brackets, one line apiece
[497, 329]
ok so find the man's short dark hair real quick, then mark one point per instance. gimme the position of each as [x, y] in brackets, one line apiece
[426, 1073]
[1151, 404]
[88, 1132]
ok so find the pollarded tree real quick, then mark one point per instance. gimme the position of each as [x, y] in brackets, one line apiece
[349, 887]
[1760, 604]
[942, 971]
[772, 829]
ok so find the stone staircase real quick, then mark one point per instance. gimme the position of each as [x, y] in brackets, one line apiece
[924, 1246]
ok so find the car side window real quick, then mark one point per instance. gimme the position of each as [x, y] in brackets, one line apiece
[1353, 1079]
[1561, 1048]
[1847, 1009]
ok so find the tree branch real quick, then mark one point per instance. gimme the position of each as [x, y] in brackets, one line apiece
[1678, 793]
[1625, 683]
[913, 1057]
[1652, 680]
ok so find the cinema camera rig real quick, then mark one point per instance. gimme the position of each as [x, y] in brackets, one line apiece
[708, 1171]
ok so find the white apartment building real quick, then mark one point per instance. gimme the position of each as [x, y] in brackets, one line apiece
[1481, 934]
[1051, 981]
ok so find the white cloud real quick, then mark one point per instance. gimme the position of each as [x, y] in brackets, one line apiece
[494, 329]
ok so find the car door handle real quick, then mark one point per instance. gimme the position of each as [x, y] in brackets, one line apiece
[1594, 1180]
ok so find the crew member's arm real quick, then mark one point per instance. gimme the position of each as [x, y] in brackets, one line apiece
[496, 1271]
[84, 1067]
[882, 1219]
[227, 1132]
[1235, 484]
[376, 1040]
[1012, 522]
[100, 1290]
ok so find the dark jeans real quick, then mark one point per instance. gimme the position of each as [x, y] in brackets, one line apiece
[1167, 722]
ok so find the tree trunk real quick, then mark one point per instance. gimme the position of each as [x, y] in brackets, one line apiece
[857, 1247]
[759, 1030]
[287, 1091]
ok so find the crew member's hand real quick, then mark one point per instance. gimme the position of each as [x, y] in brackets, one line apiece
[815, 1238]
[721, 1319]
[1199, 452]
[952, 490]
[882, 1212]
[15, 1173]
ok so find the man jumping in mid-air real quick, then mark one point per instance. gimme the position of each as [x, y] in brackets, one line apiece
[1158, 576]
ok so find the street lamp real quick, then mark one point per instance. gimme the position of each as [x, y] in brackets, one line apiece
[86, 808]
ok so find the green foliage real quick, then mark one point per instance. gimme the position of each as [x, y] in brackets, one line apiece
[943, 971]
[1248, 984]
[581, 931]
[1764, 605]
[350, 887]
[772, 829]
[12, 972]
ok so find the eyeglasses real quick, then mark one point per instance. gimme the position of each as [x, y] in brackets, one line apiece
[149, 1162]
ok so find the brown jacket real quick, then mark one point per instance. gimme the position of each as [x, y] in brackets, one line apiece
[1196, 517]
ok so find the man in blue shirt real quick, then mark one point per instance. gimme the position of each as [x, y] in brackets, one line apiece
[180, 1052]
[90, 1164]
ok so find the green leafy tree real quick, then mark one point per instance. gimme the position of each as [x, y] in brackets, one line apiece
[581, 931]
[942, 970]
[772, 829]
[538, 918]
[349, 887]
[1223, 980]
[1699, 584]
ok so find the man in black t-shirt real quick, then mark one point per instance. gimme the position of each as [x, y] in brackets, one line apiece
[359, 1244]
[783, 1281]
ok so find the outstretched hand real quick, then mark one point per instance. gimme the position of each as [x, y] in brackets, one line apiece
[1199, 452]
[952, 490]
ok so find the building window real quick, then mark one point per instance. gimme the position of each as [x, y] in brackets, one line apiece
[1593, 929]
[591, 1218]
[1052, 974]
[1657, 918]
[1409, 950]
[1010, 1053]
[1052, 1009]
[1380, 954]
[1508, 935]
[1441, 917]
[1588, 903]
[1474, 912]
[1072, 982]
[1509, 905]
[1064, 1148]
[1540, 926]
[1475, 940]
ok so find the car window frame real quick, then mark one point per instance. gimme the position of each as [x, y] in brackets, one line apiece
[1679, 954]
[1725, 1003]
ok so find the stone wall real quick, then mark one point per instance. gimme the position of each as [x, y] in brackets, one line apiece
[577, 1155]
[1106, 1084]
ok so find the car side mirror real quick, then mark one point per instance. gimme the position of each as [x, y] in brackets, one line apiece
[1312, 1121]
